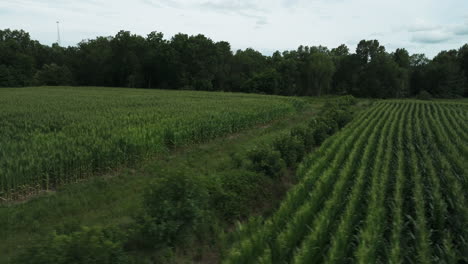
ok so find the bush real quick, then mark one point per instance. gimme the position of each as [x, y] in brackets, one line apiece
[291, 149]
[88, 245]
[341, 102]
[238, 190]
[267, 161]
[203, 85]
[237, 159]
[306, 135]
[341, 117]
[323, 127]
[424, 95]
[346, 100]
[174, 208]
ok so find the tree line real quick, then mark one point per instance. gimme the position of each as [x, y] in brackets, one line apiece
[198, 63]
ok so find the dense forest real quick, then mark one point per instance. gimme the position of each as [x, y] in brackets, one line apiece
[198, 63]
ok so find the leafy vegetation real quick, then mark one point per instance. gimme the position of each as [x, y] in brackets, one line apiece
[52, 136]
[198, 63]
[87, 245]
[180, 208]
[174, 205]
[387, 188]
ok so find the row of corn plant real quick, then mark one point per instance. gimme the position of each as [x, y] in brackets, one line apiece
[330, 146]
[349, 223]
[393, 191]
[446, 156]
[314, 243]
[371, 235]
[458, 121]
[454, 148]
[454, 133]
[297, 225]
[422, 236]
[441, 234]
[251, 247]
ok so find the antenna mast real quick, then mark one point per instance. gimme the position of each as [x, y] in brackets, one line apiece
[58, 33]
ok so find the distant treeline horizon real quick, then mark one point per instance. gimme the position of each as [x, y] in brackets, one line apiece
[196, 62]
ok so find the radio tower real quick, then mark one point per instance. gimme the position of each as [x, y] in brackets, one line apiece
[58, 33]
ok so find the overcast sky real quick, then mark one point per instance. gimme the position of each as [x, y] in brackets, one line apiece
[421, 26]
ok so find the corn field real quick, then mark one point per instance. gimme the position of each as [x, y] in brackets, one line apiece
[391, 187]
[52, 136]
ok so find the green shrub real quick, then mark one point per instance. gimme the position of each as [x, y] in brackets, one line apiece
[346, 100]
[238, 190]
[88, 245]
[323, 127]
[267, 161]
[306, 135]
[341, 117]
[174, 208]
[341, 102]
[237, 159]
[424, 95]
[291, 149]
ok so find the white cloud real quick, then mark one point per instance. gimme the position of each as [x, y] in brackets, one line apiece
[421, 25]
[431, 37]
[461, 30]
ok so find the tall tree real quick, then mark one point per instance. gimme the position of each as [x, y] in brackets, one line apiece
[368, 50]
[463, 59]
[196, 62]
[446, 76]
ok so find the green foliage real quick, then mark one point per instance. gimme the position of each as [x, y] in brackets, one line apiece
[266, 160]
[306, 135]
[291, 149]
[51, 136]
[424, 95]
[238, 191]
[323, 127]
[169, 138]
[175, 207]
[17, 58]
[52, 74]
[198, 63]
[340, 116]
[231, 195]
[346, 100]
[6, 79]
[387, 188]
[265, 82]
[337, 113]
[88, 245]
